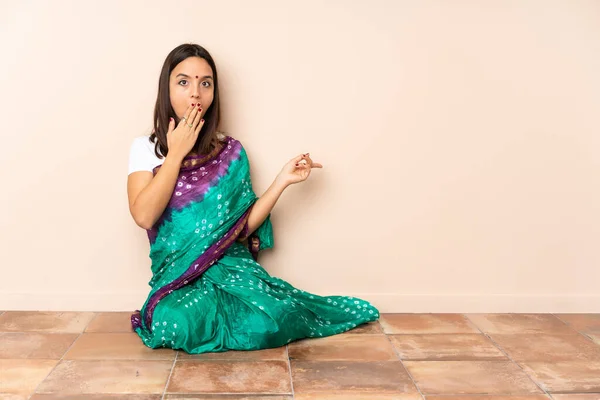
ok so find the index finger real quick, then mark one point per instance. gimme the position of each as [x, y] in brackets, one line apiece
[187, 114]
[297, 158]
[310, 161]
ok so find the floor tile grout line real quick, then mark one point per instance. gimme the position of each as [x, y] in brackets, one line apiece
[506, 354]
[96, 315]
[224, 395]
[575, 393]
[571, 327]
[65, 353]
[57, 364]
[404, 366]
[170, 374]
[287, 353]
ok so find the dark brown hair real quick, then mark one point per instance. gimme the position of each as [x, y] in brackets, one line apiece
[163, 110]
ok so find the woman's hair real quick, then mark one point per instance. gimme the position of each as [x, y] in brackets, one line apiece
[163, 110]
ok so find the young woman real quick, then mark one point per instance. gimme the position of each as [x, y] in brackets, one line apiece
[189, 186]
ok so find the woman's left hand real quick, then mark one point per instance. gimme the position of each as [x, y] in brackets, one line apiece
[297, 170]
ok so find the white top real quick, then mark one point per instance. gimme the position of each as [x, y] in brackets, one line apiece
[142, 156]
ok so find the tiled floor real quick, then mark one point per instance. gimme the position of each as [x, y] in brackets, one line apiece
[73, 355]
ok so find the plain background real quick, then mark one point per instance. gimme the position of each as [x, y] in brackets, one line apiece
[460, 141]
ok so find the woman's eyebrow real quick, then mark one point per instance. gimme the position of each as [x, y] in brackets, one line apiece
[187, 76]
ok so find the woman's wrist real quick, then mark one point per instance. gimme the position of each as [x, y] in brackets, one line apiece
[280, 184]
[176, 158]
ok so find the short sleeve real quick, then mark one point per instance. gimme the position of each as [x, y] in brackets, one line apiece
[141, 156]
[265, 234]
[262, 238]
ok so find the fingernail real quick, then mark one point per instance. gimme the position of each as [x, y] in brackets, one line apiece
[202, 120]
[193, 104]
[171, 119]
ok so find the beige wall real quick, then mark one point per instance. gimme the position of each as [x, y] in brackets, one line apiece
[460, 145]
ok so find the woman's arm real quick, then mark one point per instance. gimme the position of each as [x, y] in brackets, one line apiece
[264, 205]
[295, 171]
[149, 196]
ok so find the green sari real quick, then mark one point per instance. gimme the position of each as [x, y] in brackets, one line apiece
[208, 293]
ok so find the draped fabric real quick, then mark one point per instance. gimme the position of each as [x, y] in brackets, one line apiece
[208, 292]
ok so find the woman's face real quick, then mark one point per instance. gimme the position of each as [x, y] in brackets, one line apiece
[191, 82]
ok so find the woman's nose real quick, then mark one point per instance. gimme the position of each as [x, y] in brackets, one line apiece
[196, 91]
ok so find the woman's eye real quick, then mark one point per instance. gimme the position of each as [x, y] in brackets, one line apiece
[207, 83]
[183, 80]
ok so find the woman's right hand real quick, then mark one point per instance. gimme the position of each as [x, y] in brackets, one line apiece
[181, 139]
